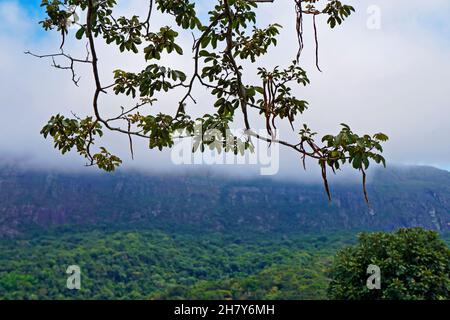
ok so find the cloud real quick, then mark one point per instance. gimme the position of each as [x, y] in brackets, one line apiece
[395, 79]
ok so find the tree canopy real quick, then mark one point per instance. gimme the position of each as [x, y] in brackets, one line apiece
[222, 42]
[414, 265]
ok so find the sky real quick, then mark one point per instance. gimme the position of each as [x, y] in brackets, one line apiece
[391, 76]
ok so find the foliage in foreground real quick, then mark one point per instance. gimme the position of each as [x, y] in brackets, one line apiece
[414, 264]
[225, 42]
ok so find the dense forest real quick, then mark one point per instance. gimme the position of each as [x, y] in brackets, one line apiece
[152, 264]
[157, 265]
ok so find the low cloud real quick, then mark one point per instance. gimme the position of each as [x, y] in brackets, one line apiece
[395, 79]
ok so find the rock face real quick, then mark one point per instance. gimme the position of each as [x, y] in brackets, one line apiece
[400, 197]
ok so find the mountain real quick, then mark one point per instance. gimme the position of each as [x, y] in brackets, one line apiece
[33, 200]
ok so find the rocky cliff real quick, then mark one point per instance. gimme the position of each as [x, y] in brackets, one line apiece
[400, 197]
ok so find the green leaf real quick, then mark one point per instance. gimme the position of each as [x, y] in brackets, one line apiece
[80, 33]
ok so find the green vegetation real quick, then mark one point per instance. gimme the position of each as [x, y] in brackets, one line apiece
[414, 264]
[153, 264]
[157, 265]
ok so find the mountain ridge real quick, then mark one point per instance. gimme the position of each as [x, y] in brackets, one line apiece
[41, 199]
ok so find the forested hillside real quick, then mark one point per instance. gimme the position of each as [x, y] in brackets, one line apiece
[138, 236]
[156, 265]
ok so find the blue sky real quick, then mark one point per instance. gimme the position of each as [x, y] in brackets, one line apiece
[32, 12]
[437, 21]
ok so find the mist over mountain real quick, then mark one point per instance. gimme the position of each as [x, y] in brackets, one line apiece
[399, 197]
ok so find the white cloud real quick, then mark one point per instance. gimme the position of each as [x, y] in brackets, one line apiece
[395, 80]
